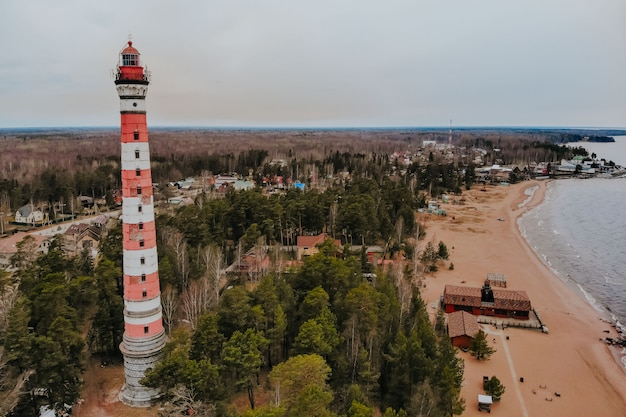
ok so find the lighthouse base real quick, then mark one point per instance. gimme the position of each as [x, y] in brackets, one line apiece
[139, 356]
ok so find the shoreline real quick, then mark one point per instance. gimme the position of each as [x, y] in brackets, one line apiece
[604, 312]
[572, 360]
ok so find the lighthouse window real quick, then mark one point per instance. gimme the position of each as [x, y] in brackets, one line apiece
[141, 243]
[139, 208]
[143, 277]
[144, 294]
[145, 329]
[129, 59]
[136, 154]
[138, 190]
[138, 172]
[140, 226]
[142, 260]
[136, 135]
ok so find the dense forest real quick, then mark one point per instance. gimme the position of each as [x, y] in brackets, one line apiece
[337, 341]
[86, 162]
[334, 337]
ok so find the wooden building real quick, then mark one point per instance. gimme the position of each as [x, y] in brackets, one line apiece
[487, 301]
[462, 328]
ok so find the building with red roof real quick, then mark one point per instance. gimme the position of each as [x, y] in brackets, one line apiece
[462, 328]
[487, 301]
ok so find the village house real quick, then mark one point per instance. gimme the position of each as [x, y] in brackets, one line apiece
[487, 301]
[79, 237]
[462, 328]
[29, 214]
[9, 247]
[307, 245]
[254, 263]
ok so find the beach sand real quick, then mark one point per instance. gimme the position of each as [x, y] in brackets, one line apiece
[571, 359]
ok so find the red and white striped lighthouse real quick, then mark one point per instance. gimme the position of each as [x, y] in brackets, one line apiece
[144, 336]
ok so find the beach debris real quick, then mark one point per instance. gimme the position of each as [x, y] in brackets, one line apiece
[620, 341]
[542, 386]
[557, 394]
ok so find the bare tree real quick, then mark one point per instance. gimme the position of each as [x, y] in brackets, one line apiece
[260, 252]
[197, 299]
[213, 260]
[184, 402]
[10, 388]
[404, 287]
[176, 240]
[8, 296]
[169, 304]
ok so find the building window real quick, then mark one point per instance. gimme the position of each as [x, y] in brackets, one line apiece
[138, 190]
[141, 243]
[129, 60]
[144, 293]
[140, 226]
[136, 135]
[142, 260]
[136, 154]
[138, 172]
[139, 208]
[143, 277]
[146, 329]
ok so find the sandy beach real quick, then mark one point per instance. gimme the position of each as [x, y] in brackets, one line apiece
[568, 372]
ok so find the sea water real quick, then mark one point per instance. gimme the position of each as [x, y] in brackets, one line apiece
[580, 233]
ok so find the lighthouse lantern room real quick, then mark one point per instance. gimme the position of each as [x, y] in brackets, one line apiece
[144, 336]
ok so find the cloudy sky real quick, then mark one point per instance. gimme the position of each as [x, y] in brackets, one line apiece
[252, 63]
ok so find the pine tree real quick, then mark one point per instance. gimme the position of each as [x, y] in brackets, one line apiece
[479, 348]
[494, 388]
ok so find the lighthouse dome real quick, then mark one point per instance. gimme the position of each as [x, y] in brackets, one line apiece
[130, 55]
[129, 49]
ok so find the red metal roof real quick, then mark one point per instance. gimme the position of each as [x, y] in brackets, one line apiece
[129, 49]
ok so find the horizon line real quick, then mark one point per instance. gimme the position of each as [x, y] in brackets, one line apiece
[234, 127]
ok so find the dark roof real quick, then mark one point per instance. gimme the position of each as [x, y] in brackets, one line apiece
[511, 300]
[461, 296]
[471, 296]
[462, 323]
[76, 229]
[26, 210]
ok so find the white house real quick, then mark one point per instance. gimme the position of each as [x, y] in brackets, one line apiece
[29, 214]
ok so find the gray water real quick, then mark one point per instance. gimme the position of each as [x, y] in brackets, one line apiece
[580, 233]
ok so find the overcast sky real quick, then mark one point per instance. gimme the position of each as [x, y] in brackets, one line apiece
[321, 63]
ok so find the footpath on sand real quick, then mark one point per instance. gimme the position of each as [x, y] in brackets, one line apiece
[572, 360]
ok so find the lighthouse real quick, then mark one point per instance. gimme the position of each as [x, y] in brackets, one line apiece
[144, 336]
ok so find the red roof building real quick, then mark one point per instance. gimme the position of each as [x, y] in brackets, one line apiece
[486, 301]
[462, 328]
[307, 245]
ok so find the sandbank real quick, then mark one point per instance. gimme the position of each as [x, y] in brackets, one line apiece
[572, 360]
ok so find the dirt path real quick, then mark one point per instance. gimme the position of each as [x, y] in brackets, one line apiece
[99, 396]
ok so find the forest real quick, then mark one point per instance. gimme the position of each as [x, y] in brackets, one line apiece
[336, 336]
[86, 162]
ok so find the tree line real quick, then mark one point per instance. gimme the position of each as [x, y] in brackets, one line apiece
[87, 163]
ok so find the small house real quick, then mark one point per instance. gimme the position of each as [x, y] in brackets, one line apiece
[307, 245]
[80, 236]
[29, 214]
[462, 328]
